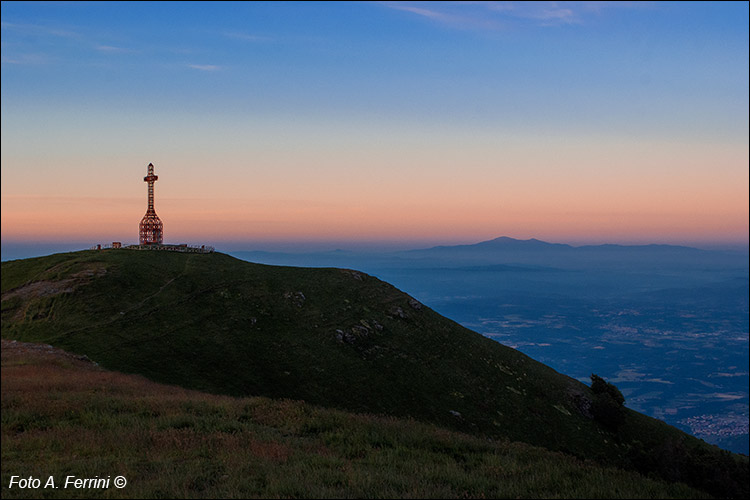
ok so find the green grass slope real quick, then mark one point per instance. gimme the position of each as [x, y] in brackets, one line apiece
[331, 337]
[62, 416]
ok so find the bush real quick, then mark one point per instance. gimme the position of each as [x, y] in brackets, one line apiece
[607, 407]
[601, 386]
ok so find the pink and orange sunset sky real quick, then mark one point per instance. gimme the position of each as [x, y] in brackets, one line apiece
[376, 122]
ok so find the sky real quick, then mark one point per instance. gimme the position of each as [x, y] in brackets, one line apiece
[376, 123]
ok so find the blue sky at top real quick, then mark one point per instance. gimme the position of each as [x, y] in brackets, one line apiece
[522, 65]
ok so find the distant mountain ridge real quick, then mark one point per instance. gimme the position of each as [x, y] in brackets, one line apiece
[505, 250]
[504, 242]
[508, 243]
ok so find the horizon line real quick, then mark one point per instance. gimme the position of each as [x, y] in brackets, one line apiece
[378, 245]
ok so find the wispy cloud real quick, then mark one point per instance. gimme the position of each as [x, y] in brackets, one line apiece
[502, 15]
[26, 59]
[38, 34]
[29, 42]
[545, 13]
[204, 67]
[113, 50]
[448, 15]
[40, 30]
[420, 11]
[247, 37]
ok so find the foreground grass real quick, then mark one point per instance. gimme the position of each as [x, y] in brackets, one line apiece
[63, 416]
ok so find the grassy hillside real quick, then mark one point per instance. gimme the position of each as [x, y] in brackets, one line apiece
[64, 416]
[331, 337]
